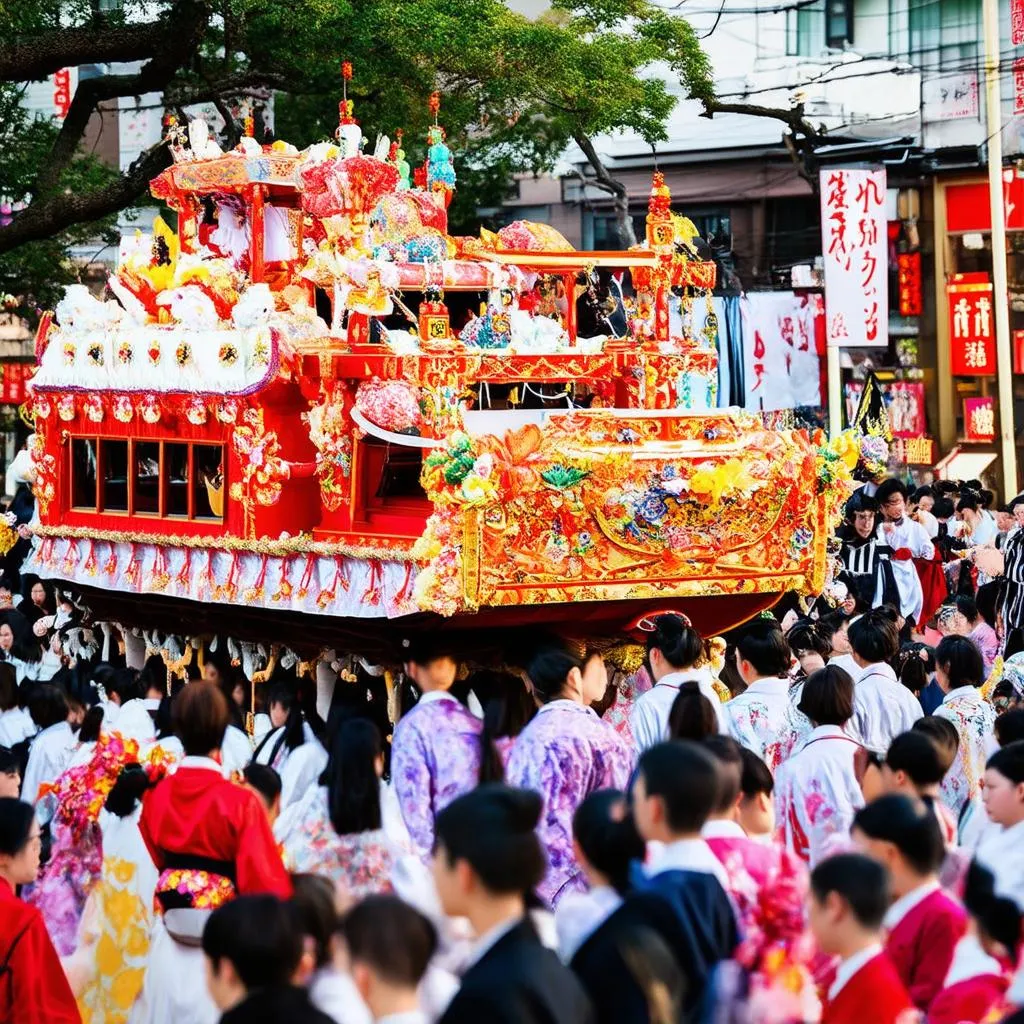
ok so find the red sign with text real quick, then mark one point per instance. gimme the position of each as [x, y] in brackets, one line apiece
[908, 267]
[12, 383]
[972, 345]
[1016, 22]
[967, 206]
[980, 420]
[62, 93]
[1018, 86]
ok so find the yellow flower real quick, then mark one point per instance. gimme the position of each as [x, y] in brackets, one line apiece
[846, 447]
[730, 476]
[476, 488]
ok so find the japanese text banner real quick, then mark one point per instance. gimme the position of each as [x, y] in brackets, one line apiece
[853, 238]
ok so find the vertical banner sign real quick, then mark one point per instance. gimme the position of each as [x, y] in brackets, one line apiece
[853, 238]
[908, 266]
[62, 93]
[1016, 22]
[980, 420]
[972, 344]
[1018, 86]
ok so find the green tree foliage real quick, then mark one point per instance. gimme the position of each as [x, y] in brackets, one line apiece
[515, 92]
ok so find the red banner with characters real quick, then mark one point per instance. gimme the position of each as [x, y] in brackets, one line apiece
[12, 382]
[972, 346]
[980, 420]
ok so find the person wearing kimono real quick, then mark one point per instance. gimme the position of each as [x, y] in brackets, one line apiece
[758, 718]
[340, 831]
[923, 924]
[849, 897]
[675, 653]
[960, 673]
[817, 791]
[16, 723]
[490, 835]
[566, 753]
[436, 749]
[908, 540]
[107, 967]
[866, 561]
[883, 706]
[210, 840]
[51, 749]
[33, 988]
[768, 886]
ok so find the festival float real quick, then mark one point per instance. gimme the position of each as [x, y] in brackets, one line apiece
[309, 413]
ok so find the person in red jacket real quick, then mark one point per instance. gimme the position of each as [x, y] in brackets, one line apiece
[850, 894]
[33, 988]
[210, 840]
[924, 923]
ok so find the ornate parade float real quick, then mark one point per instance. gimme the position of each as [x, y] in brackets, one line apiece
[309, 411]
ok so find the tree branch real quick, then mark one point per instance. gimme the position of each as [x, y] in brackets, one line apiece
[190, 25]
[47, 217]
[29, 60]
[793, 117]
[603, 180]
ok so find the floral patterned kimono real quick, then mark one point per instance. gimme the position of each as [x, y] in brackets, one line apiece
[974, 719]
[817, 793]
[768, 886]
[435, 757]
[759, 719]
[360, 862]
[566, 753]
[107, 968]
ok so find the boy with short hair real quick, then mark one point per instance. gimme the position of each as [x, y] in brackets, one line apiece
[883, 706]
[252, 947]
[389, 946]
[915, 766]
[849, 897]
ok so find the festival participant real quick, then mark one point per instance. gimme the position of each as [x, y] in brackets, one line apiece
[210, 840]
[252, 947]
[916, 664]
[10, 774]
[289, 730]
[883, 707]
[508, 707]
[436, 746]
[758, 717]
[266, 784]
[33, 988]
[755, 810]
[692, 716]
[606, 844]
[566, 753]
[866, 557]
[126, 711]
[921, 503]
[1012, 608]
[817, 790]
[908, 540]
[835, 627]
[16, 723]
[977, 979]
[924, 924]
[338, 830]
[850, 895]
[675, 651]
[331, 990]
[52, 748]
[675, 792]
[768, 887]
[20, 649]
[390, 946]
[1002, 848]
[118, 915]
[960, 674]
[811, 645]
[486, 858]
[915, 766]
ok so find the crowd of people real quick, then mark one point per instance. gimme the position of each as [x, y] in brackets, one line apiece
[818, 819]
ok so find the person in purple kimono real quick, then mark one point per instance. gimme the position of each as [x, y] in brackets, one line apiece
[437, 750]
[566, 753]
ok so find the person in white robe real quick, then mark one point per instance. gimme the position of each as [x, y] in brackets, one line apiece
[908, 540]
[883, 706]
[675, 652]
[817, 790]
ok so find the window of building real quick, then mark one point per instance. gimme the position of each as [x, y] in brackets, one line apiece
[167, 479]
[944, 36]
[805, 30]
[838, 23]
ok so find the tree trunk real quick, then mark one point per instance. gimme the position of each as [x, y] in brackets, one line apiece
[604, 180]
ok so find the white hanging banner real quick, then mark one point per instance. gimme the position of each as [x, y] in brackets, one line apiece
[854, 243]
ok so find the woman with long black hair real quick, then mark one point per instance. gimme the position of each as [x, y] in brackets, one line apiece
[565, 754]
[339, 830]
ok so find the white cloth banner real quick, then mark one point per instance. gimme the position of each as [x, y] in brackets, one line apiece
[855, 247]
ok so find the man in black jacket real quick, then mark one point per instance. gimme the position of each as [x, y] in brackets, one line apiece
[486, 857]
[252, 947]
